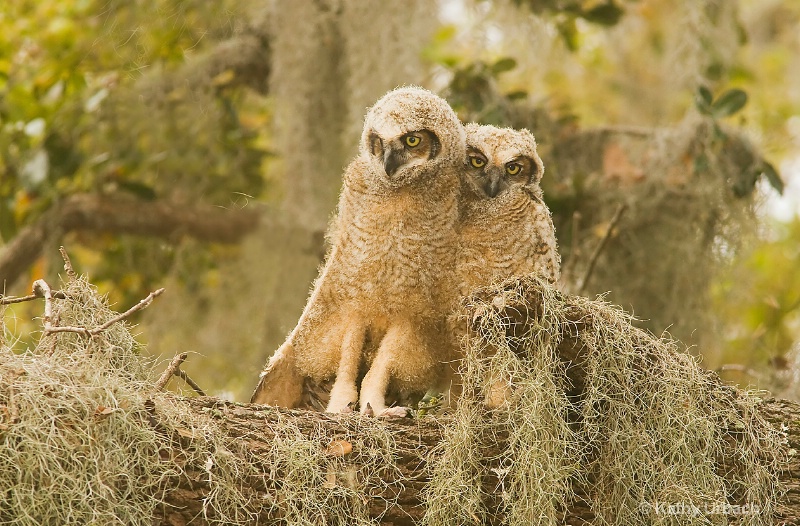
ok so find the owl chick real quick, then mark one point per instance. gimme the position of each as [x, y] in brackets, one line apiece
[506, 229]
[389, 273]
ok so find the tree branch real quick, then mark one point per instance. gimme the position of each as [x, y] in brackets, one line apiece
[170, 371]
[599, 248]
[247, 55]
[416, 441]
[415, 447]
[119, 214]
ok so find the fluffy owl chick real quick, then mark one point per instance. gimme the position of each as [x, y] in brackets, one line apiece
[389, 272]
[506, 229]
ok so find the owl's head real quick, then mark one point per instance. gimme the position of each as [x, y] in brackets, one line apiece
[410, 135]
[498, 159]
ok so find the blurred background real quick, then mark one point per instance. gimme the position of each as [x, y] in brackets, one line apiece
[199, 146]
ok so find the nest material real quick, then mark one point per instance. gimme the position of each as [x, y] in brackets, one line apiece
[593, 408]
[86, 439]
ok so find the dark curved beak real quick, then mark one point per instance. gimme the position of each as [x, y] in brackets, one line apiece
[392, 160]
[492, 186]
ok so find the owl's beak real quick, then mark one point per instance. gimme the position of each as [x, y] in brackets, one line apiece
[392, 160]
[493, 183]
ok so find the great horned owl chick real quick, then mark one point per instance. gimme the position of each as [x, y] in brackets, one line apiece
[389, 272]
[506, 228]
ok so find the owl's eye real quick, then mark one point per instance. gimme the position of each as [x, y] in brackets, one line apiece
[513, 168]
[412, 140]
[476, 161]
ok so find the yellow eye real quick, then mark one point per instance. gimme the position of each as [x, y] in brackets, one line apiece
[513, 168]
[477, 162]
[412, 140]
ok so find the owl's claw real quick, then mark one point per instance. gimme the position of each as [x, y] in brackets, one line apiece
[394, 413]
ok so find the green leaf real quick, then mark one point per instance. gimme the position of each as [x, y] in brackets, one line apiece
[502, 65]
[517, 95]
[606, 14]
[702, 99]
[568, 32]
[729, 103]
[445, 34]
[772, 176]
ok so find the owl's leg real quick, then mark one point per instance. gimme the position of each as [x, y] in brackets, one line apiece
[281, 383]
[403, 355]
[344, 391]
[375, 383]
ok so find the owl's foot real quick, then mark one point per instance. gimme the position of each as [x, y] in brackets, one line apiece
[342, 397]
[371, 407]
[349, 409]
[396, 412]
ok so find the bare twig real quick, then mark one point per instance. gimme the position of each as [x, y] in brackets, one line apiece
[569, 267]
[8, 300]
[169, 372]
[67, 264]
[188, 379]
[599, 249]
[97, 330]
[42, 289]
[139, 306]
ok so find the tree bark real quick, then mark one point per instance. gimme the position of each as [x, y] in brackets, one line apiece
[415, 442]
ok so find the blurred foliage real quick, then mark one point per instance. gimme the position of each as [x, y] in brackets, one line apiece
[473, 91]
[78, 115]
[759, 297]
[565, 13]
[753, 168]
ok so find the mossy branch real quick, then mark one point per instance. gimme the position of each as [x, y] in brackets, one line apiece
[415, 447]
[521, 308]
[209, 461]
[575, 391]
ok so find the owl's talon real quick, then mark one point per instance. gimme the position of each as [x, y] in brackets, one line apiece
[396, 413]
[349, 408]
